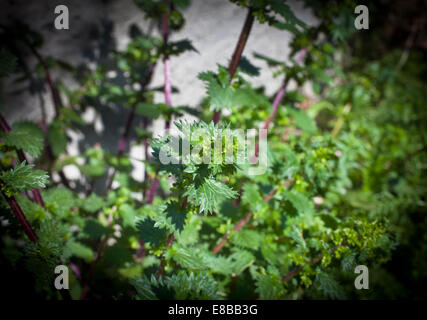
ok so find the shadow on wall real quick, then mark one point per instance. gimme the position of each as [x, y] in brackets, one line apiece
[98, 27]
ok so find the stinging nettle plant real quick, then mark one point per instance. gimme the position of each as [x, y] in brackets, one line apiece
[336, 180]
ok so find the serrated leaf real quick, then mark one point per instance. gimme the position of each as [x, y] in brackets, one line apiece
[22, 178]
[151, 288]
[32, 210]
[26, 136]
[219, 91]
[58, 200]
[176, 215]
[348, 262]
[189, 286]
[300, 202]
[329, 286]
[150, 233]
[178, 286]
[269, 285]
[242, 259]
[251, 197]
[217, 263]
[186, 258]
[209, 195]
[249, 239]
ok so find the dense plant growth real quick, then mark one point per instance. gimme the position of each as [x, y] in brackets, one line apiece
[344, 184]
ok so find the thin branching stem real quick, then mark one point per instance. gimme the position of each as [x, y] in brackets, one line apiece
[242, 222]
[19, 214]
[313, 261]
[237, 54]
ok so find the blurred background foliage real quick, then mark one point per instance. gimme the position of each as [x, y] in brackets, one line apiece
[345, 183]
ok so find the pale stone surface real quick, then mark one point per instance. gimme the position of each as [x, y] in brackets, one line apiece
[212, 25]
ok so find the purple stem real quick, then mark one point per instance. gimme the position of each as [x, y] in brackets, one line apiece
[277, 100]
[300, 56]
[237, 54]
[123, 140]
[76, 270]
[153, 191]
[19, 214]
[166, 68]
[167, 91]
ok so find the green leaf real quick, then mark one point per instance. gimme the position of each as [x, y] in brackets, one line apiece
[189, 286]
[219, 91]
[145, 287]
[303, 120]
[176, 215]
[80, 250]
[93, 203]
[58, 200]
[329, 286]
[348, 262]
[26, 136]
[181, 286]
[117, 256]
[186, 258]
[57, 137]
[178, 47]
[280, 7]
[32, 210]
[247, 67]
[150, 233]
[251, 197]
[242, 259]
[300, 202]
[268, 285]
[209, 195]
[270, 61]
[128, 214]
[249, 239]
[23, 178]
[217, 263]
[94, 229]
[150, 110]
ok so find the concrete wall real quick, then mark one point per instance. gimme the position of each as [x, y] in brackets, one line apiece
[212, 25]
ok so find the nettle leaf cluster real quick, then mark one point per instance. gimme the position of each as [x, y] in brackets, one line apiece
[344, 178]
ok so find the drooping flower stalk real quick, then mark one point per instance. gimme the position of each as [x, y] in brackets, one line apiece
[237, 54]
